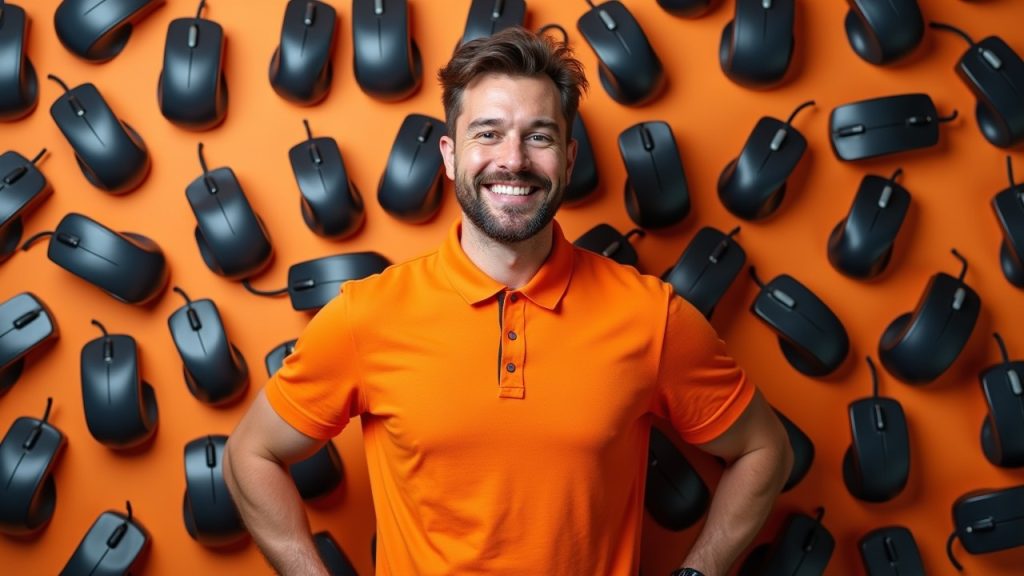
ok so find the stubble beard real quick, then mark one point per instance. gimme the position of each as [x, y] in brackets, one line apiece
[512, 224]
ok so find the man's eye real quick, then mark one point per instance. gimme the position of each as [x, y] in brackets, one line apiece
[540, 138]
[485, 135]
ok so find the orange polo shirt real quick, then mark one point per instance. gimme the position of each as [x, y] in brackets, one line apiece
[506, 430]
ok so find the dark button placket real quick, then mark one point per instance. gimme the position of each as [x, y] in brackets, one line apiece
[511, 383]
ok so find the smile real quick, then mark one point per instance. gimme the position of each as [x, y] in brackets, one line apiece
[509, 190]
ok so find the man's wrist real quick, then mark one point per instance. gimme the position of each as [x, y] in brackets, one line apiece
[686, 572]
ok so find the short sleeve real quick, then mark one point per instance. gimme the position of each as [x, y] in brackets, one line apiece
[317, 388]
[700, 390]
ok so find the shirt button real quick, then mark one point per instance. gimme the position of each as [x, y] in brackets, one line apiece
[510, 367]
[514, 297]
[512, 336]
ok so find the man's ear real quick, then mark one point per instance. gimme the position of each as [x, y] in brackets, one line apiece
[448, 155]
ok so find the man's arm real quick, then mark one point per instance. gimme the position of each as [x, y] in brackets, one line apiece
[256, 474]
[760, 458]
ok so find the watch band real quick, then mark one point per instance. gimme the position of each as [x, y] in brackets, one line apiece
[686, 572]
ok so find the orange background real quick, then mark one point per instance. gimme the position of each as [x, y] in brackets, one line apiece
[951, 185]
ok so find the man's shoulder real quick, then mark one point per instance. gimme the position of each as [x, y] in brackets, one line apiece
[600, 272]
[404, 278]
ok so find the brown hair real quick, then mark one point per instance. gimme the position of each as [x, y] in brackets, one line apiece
[515, 52]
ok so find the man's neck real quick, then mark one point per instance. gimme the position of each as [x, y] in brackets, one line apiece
[510, 264]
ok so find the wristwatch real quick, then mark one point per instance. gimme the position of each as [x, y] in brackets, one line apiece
[686, 572]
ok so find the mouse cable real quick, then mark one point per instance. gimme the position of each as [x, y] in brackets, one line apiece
[546, 27]
[202, 160]
[202, 4]
[949, 552]
[1009, 172]
[963, 271]
[797, 111]
[183, 295]
[953, 29]
[753, 274]
[59, 81]
[309, 132]
[591, 2]
[874, 377]
[43, 151]
[34, 238]
[102, 328]
[259, 292]
[1002, 347]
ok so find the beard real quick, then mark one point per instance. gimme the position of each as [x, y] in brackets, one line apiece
[508, 224]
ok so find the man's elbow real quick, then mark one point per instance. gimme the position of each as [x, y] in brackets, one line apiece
[783, 457]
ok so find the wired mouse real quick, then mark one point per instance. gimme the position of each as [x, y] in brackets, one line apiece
[812, 338]
[628, 67]
[27, 328]
[410, 187]
[987, 521]
[675, 496]
[583, 180]
[605, 240]
[28, 456]
[687, 8]
[319, 475]
[211, 517]
[115, 545]
[860, 246]
[22, 189]
[803, 548]
[19, 83]
[98, 31]
[275, 358]
[110, 153]
[331, 204]
[192, 91]
[332, 555]
[917, 347]
[1009, 208]
[232, 239]
[656, 192]
[753, 184]
[803, 451]
[487, 17]
[995, 75]
[707, 268]
[386, 60]
[891, 551]
[877, 463]
[301, 68]
[120, 407]
[314, 283]
[884, 31]
[215, 370]
[757, 44]
[1002, 433]
[886, 125]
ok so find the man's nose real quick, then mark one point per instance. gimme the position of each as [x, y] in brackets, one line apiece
[513, 156]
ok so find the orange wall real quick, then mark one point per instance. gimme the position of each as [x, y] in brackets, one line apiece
[951, 185]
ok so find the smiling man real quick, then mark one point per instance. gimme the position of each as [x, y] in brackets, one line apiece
[506, 383]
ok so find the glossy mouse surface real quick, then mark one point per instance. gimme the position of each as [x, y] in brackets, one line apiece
[707, 268]
[757, 45]
[990, 520]
[656, 191]
[630, 71]
[803, 451]
[877, 463]
[209, 512]
[98, 31]
[314, 283]
[885, 125]
[115, 545]
[410, 188]
[883, 31]
[192, 90]
[605, 240]
[687, 8]
[803, 548]
[26, 326]
[332, 555]
[331, 204]
[301, 69]
[891, 551]
[28, 455]
[860, 246]
[22, 189]
[111, 154]
[1002, 433]
[583, 180]
[386, 59]
[489, 16]
[215, 371]
[676, 496]
[275, 358]
[320, 474]
[19, 83]
[1008, 206]
[120, 408]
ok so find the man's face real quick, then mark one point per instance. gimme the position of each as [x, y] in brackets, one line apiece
[511, 156]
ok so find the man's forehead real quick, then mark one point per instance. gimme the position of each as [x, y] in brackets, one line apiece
[490, 98]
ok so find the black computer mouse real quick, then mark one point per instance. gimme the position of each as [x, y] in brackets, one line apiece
[630, 71]
[803, 451]
[410, 187]
[110, 153]
[331, 204]
[883, 31]
[19, 84]
[22, 189]
[128, 266]
[687, 8]
[98, 31]
[314, 283]
[860, 246]
[192, 91]
[995, 75]
[752, 185]
[891, 551]
[706, 269]
[301, 68]
[27, 327]
[583, 180]
[489, 16]
[386, 60]
[275, 358]
[120, 407]
[675, 495]
[28, 456]
[215, 370]
[757, 44]
[656, 191]
[232, 239]
[1002, 433]
[211, 517]
[917, 347]
[605, 240]
[320, 474]
[803, 548]
[812, 338]
[1009, 208]
[886, 125]
[988, 521]
[332, 555]
[115, 545]
[877, 463]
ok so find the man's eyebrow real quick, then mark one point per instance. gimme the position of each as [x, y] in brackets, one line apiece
[546, 123]
[483, 123]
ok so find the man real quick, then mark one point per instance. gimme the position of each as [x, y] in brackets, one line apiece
[507, 382]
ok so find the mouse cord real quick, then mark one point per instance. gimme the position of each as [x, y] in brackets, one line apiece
[43, 151]
[797, 111]
[309, 132]
[102, 328]
[895, 175]
[733, 232]
[753, 274]
[949, 552]
[634, 232]
[546, 27]
[1002, 347]
[202, 4]
[963, 271]
[259, 292]
[33, 239]
[953, 29]
[1009, 171]
[59, 81]
[183, 295]
[202, 160]
[950, 118]
[591, 2]
[46, 413]
[874, 377]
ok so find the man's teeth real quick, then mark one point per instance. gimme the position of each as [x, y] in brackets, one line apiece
[510, 190]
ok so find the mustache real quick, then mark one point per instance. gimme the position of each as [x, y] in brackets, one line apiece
[515, 178]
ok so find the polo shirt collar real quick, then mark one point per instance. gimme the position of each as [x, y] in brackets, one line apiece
[545, 289]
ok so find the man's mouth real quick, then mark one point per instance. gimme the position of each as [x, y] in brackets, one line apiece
[511, 189]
